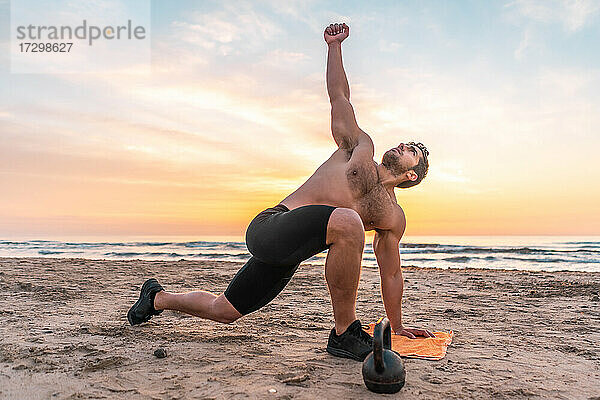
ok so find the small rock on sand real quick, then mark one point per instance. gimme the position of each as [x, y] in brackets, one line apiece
[160, 353]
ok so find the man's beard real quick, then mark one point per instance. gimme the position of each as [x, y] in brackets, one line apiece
[391, 162]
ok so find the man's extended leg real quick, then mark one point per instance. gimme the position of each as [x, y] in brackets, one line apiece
[154, 299]
[346, 239]
[198, 303]
[255, 284]
[283, 238]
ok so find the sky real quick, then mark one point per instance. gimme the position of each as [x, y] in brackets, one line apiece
[233, 116]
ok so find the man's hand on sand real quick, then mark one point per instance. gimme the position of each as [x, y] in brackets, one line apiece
[336, 33]
[412, 333]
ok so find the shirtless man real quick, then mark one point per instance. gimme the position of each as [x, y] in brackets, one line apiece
[347, 195]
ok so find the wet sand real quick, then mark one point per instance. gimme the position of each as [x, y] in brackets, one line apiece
[64, 335]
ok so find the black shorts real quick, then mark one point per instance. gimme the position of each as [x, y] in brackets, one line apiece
[279, 240]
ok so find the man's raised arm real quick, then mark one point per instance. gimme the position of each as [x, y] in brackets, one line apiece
[337, 82]
[344, 128]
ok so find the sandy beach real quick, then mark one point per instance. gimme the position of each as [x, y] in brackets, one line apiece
[64, 335]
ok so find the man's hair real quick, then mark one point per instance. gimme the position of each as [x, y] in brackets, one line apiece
[420, 169]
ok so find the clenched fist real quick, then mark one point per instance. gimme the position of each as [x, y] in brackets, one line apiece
[336, 33]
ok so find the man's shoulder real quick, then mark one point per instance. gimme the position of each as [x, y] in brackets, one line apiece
[396, 223]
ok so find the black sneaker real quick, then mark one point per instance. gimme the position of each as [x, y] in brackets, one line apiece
[355, 343]
[143, 309]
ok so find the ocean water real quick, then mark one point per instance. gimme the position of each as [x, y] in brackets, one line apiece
[533, 253]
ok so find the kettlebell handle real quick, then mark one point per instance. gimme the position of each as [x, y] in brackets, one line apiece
[382, 339]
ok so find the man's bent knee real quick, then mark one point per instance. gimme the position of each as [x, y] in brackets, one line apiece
[345, 225]
[223, 310]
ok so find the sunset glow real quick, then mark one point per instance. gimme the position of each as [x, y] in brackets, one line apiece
[234, 116]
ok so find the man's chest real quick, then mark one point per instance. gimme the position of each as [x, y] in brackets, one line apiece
[370, 199]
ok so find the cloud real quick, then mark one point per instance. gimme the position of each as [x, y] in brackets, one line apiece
[561, 82]
[110, 11]
[525, 44]
[388, 46]
[573, 15]
[293, 8]
[447, 174]
[302, 11]
[235, 24]
[280, 56]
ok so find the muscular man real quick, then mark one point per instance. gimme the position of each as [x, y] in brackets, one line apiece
[347, 195]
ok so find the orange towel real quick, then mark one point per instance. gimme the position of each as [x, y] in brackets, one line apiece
[424, 348]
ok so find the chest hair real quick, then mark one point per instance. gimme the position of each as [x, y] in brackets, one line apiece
[371, 198]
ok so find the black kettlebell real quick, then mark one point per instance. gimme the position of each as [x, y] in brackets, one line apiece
[383, 370]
